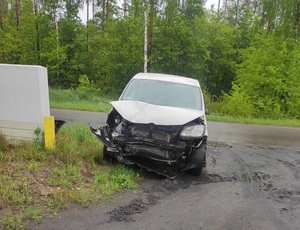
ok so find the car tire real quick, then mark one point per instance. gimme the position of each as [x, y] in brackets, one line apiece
[199, 159]
[107, 156]
[197, 170]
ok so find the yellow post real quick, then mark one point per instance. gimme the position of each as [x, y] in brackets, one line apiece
[49, 130]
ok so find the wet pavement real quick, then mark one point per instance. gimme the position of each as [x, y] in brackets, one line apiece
[252, 181]
[242, 187]
[258, 135]
[231, 133]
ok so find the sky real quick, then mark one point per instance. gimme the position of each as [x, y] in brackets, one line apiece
[210, 2]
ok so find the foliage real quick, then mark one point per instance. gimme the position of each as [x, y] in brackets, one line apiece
[246, 48]
[219, 61]
[268, 76]
[215, 110]
[28, 37]
[238, 103]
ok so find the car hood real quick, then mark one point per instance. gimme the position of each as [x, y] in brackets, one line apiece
[144, 113]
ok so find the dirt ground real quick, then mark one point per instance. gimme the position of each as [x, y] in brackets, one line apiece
[242, 187]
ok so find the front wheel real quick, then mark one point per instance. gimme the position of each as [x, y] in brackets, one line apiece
[107, 156]
[197, 170]
[198, 157]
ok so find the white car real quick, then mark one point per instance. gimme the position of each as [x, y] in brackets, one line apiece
[159, 124]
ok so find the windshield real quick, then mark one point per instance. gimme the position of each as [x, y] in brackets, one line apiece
[163, 93]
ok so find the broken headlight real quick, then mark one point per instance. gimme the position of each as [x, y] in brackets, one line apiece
[192, 131]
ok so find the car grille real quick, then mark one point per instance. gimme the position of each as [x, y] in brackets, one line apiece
[161, 133]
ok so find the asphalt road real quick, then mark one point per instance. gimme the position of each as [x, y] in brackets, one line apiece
[230, 133]
[252, 181]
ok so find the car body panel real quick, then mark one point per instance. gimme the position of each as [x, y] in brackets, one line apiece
[144, 113]
[149, 134]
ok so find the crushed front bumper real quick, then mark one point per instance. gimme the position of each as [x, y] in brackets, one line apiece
[160, 157]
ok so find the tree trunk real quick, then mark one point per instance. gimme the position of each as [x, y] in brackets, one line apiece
[87, 11]
[248, 4]
[17, 13]
[237, 11]
[36, 6]
[1, 14]
[107, 10]
[296, 25]
[150, 34]
[145, 42]
[93, 8]
[38, 48]
[87, 23]
[225, 7]
[125, 8]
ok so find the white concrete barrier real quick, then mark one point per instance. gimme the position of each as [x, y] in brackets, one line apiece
[24, 99]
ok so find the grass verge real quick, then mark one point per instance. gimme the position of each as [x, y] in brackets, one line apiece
[79, 100]
[258, 121]
[34, 181]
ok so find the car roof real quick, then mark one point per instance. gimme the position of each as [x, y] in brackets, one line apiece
[167, 77]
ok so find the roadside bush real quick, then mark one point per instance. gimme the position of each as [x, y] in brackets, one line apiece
[237, 103]
[212, 104]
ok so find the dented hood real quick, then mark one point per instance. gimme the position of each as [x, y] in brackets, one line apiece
[144, 113]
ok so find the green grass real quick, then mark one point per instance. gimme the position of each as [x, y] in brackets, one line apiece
[79, 100]
[83, 106]
[258, 121]
[35, 181]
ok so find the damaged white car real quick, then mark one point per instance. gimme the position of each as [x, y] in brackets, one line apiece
[159, 124]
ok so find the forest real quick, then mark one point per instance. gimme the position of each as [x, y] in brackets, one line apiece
[245, 53]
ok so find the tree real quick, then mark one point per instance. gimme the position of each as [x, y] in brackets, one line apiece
[8, 42]
[220, 64]
[2, 8]
[119, 57]
[107, 10]
[152, 13]
[174, 48]
[268, 75]
[17, 12]
[28, 35]
[193, 9]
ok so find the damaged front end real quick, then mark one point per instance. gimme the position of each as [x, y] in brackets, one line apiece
[164, 149]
